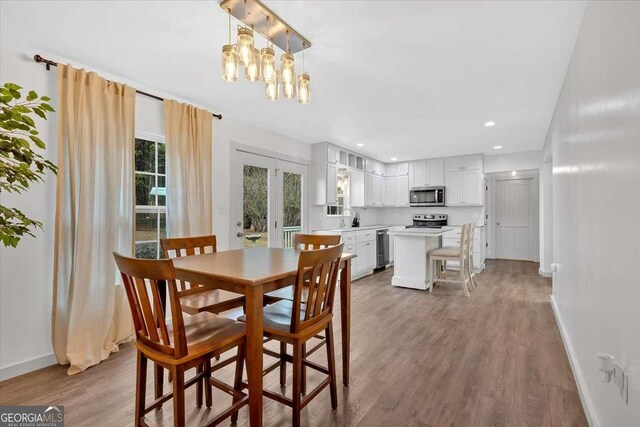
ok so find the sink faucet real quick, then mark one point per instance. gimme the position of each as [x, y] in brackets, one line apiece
[342, 224]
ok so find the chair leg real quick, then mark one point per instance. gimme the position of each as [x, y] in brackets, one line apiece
[304, 370]
[141, 387]
[237, 383]
[283, 364]
[158, 372]
[208, 397]
[331, 363]
[199, 387]
[463, 278]
[297, 383]
[178, 397]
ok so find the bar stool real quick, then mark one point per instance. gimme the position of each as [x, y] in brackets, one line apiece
[472, 272]
[451, 253]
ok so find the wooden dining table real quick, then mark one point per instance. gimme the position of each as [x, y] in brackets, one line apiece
[254, 272]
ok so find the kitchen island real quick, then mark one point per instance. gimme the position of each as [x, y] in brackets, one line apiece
[411, 245]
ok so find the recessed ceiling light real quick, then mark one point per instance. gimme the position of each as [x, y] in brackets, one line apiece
[360, 145]
[489, 124]
[497, 147]
[393, 159]
[514, 173]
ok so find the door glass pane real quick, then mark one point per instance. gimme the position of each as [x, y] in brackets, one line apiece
[255, 206]
[292, 207]
[147, 250]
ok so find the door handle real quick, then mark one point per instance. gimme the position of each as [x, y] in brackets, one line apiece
[497, 223]
[239, 234]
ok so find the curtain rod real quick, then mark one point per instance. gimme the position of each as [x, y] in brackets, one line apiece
[50, 63]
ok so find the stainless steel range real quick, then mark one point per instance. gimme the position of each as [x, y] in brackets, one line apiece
[429, 221]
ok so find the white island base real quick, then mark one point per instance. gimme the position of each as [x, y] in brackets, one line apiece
[410, 266]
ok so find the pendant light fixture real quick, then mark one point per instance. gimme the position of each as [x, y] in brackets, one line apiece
[260, 64]
[245, 41]
[304, 83]
[268, 59]
[229, 59]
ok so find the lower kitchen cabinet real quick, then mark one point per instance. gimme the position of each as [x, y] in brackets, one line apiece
[366, 252]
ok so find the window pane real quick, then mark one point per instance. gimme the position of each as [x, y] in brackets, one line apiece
[147, 250]
[145, 156]
[146, 226]
[145, 190]
[255, 206]
[163, 225]
[292, 199]
[162, 191]
[161, 158]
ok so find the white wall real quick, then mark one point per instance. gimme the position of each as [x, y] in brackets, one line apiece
[26, 272]
[525, 160]
[595, 138]
[546, 218]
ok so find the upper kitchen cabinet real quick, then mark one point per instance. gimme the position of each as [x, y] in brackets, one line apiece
[332, 153]
[402, 190]
[389, 191]
[374, 167]
[356, 179]
[464, 181]
[372, 190]
[426, 173]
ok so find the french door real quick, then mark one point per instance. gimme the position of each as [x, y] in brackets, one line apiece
[269, 197]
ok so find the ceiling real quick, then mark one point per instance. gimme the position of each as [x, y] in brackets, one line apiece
[408, 79]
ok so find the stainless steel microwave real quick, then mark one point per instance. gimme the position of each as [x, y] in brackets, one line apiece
[426, 196]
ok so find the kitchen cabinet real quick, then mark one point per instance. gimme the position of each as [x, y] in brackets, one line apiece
[374, 167]
[472, 162]
[464, 181]
[426, 173]
[402, 168]
[402, 190]
[366, 252]
[356, 179]
[389, 192]
[390, 170]
[333, 155]
[472, 186]
[332, 184]
[373, 190]
[453, 185]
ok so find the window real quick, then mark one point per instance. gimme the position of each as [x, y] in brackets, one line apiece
[342, 192]
[151, 206]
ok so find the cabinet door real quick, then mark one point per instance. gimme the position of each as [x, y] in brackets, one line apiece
[453, 163]
[366, 256]
[368, 189]
[418, 173]
[332, 191]
[390, 169]
[473, 162]
[343, 157]
[377, 190]
[453, 184]
[332, 154]
[472, 184]
[351, 249]
[389, 193]
[435, 168]
[402, 168]
[357, 188]
[402, 190]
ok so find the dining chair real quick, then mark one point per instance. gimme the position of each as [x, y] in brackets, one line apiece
[183, 344]
[195, 298]
[295, 323]
[441, 256]
[304, 242]
[470, 268]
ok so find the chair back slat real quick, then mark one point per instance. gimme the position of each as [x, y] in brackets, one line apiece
[319, 270]
[140, 275]
[185, 246]
[309, 242]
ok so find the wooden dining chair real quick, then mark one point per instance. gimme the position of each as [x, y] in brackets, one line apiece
[304, 242]
[183, 344]
[295, 323]
[440, 257]
[470, 268]
[195, 298]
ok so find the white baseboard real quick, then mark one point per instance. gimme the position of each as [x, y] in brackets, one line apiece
[545, 273]
[27, 366]
[575, 368]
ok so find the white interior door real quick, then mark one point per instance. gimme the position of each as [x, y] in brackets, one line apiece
[270, 200]
[513, 219]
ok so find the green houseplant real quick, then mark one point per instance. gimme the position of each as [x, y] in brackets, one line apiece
[20, 165]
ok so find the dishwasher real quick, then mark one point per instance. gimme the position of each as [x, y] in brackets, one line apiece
[382, 248]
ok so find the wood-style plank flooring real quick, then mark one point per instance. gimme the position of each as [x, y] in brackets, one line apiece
[418, 359]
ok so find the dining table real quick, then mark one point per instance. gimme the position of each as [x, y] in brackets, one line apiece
[254, 272]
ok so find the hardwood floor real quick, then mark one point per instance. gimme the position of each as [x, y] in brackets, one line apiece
[418, 359]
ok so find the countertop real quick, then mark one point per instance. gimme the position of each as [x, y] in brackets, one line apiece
[401, 230]
[346, 230]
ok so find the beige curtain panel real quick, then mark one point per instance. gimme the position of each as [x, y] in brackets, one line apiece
[188, 147]
[94, 217]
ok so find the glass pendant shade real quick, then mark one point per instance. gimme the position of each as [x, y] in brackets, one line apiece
[287, 69]
[273, 90]
[268, 65]
[229, 63]
[288, 90]
[304, 88]
[245, 45]
[252, 70]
